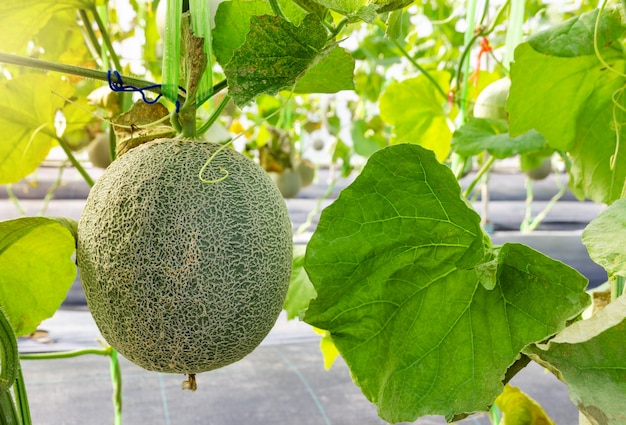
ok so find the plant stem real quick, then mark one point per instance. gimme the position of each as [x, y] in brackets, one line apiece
[276, 9]
[531, 224]
[214, 116]
[463, 66]
[486, 166]
[514, 30]
[494, 415]
[74, 161]
[617, 287]
[52, 189]
[21, 398]
[334, 32]
[421, 69]
[67, 354]
[74, 70]
[105, 37]
[116, 381]
[470, 38]
[171, 49]
[318, 207]
[14, 199]
[91, 36]
[526, 223]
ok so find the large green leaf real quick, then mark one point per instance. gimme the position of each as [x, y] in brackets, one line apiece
[590, 357]
[27, 111]
[366, 140]
[604, 238]
[20, 20]
[575, 36]
[365, 10]
[426, 314]
[232, 23]
[332, 73]
[274, 56]
[416, 110]
[562, 90]
[36, 269]
[301, 289]
[482, 134]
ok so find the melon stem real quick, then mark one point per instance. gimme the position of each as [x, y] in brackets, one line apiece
[190, 382]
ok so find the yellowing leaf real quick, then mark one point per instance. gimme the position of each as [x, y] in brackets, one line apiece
[519, 409]
[416, 110]
[27, 109]
[20, 20]
[327, 347]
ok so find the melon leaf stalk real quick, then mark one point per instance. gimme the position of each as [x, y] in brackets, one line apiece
[184, 276]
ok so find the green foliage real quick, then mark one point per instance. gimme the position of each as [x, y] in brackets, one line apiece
[562, 89]
[406, 280]
[36, 269]
[232, 23]
[27, 117]
[367, 139]
[9, 366]
[604, 238]
[483, 134]
[417, 112]
[274, 56]
[402, 275]
[20, 19]
[589, 357]
[332, 72]
[301, 289]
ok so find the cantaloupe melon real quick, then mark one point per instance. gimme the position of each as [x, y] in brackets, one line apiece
[288, 182]
[181, 275]
[491, 102]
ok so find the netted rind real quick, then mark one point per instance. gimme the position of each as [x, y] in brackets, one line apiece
[182, 275]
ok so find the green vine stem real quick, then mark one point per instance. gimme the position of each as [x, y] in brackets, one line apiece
[334, 31]
[463, 66]
[485, 167]
[75, 70]
[277, 10]
[105, 37]
[214, 116]
[617, 287]
[50, 192]
[494, 415]
[106, 351]
[318, 207]
[514, 30]
[79, 167]
[116, 382]
[529, 224]
[92, 39]
[170, 69]
[116, 373]
[421, 69]
[15, 200]
[21, 398]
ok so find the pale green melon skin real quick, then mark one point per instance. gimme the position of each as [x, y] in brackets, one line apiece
[180, 275]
